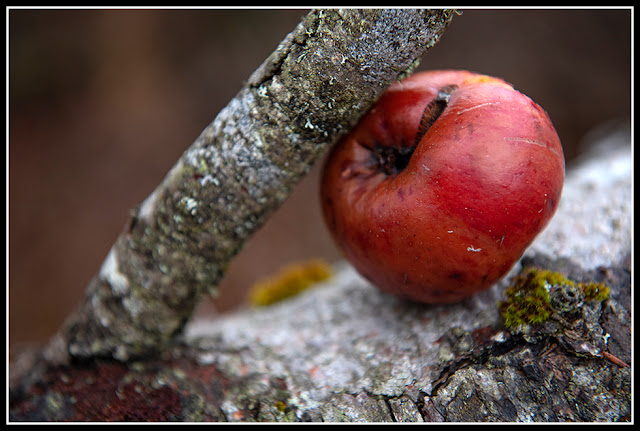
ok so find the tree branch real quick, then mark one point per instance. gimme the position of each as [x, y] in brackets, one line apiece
[178, 242]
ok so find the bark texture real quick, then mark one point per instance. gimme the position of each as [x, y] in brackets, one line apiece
[178, 243]
[344, 351]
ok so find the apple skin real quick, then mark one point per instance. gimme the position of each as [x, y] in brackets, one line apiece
[439, 217]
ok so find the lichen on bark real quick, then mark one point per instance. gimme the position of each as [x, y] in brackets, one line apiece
[178, 242]
[345, 351]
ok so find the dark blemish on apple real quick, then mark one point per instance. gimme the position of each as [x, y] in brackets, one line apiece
[405, 192]
[456, 276]
[469, 128]
[539, 130]
[401, 194]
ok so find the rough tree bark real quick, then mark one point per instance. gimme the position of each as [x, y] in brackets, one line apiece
[177, 243]
[344, 351]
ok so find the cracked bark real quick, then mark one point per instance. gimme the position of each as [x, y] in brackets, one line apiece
[177, 244]
[344, 351]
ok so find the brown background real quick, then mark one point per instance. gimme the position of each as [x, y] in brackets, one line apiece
[102, 103]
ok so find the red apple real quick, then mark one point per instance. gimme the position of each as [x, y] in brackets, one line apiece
[442, 185]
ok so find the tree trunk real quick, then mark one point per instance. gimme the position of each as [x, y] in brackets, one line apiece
[177, 244]
[344, 351]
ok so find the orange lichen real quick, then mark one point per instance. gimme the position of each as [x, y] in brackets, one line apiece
[288, 282]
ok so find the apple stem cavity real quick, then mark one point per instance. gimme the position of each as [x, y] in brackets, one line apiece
[392, 160]
[434, 109]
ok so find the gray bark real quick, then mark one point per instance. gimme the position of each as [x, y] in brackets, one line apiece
[344, 351]
[177, 244]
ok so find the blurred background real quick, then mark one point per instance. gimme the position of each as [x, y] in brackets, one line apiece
[103, 102]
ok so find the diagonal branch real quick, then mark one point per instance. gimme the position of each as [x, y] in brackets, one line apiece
[177, 244]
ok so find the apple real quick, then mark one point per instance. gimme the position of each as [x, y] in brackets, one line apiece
[440, 188]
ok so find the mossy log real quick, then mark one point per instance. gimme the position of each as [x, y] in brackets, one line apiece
[343, 351]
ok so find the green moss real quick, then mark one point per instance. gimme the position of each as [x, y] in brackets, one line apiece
[528, 297]
[595, 291]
